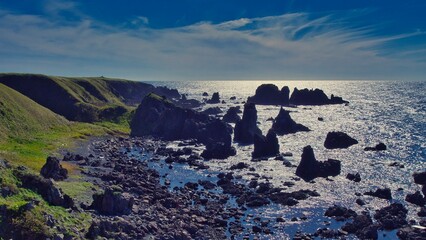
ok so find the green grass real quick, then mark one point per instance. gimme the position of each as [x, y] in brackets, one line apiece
[28, 134]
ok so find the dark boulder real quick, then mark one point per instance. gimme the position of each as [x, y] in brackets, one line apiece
[309, 168]
[205, 94]
[340, 213]
[384, 193]
[240, 165]
[46, 189]
[269, 94]
[212, 111]
[215, 98]
[362, 226]
[411, 233]
[246, 128]
[392, 217]
[53, 169]
[284, 124]
[420, 178]
[218, 151]
[378, 147]
[231, 115]
[338, 140]
[354, 177]
[313, 97]
[112, 202]
[416, 198]
[158, 117]
[266, 146]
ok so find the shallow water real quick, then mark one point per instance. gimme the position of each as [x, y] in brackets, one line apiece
[390, 112]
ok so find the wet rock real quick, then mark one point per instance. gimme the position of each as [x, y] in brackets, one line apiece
[246, 128]
[384, 193]
[313, 97]
[231, 115]
[212, 111]
[416, 198]
[362, 226]
[113, 202]
[392, 217]
[240, 165]
[354, 177]
[340, 213]
[53, 169]
[360, 202]
[205, 94]
[412, 233]
[158, 117]
[309, 168]
[378, 147]
[266, 146]
[215, 98]
[269, 94]
[218, 151]
[256, 201]
[291, 198]
[206, 184]
[420, 178]
[284, 124]
[336, 140]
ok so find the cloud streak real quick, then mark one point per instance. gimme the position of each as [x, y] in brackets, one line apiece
[289, 46]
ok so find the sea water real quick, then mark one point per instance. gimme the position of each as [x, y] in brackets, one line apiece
[392, 112]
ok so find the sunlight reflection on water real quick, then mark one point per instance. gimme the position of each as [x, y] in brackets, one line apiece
[391, 112]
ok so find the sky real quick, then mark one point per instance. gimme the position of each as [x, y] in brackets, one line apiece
[216, 39]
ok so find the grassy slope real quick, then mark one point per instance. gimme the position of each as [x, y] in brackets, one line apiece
[81, 99]
[28, 134]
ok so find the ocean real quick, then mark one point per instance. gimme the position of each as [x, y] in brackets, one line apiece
[392, 112]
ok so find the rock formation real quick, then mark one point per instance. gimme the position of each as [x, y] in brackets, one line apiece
[246, 128]
[266, 146]
[53, 169]
[378, 147]
[284, 124]
[158, 117]
[112, 202]
[313, 97]
[215, 98]
[231, 115]
[309, 168]
[338, 140]
[269, 94]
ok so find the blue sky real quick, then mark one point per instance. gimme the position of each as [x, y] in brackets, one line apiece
[216, 39]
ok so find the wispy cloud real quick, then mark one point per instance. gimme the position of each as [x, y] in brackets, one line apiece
[290, 46]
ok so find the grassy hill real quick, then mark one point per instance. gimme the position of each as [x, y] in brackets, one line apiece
[21, 117]
[88, 99]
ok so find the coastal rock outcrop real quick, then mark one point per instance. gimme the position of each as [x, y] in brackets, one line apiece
[46, 189]
[336, 140]
[158, 117]
[313, 97]
[246, 128]
[392, 217]
[269, 94]
[309, 168]
[212, 111]
[231, 115]
[383, 193]
[284, 124]
[215, 98]
[379, 147]
[53, 169]
[266, 146]
[113, 202]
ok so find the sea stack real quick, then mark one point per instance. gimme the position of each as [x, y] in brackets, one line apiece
[246, 128]
[284, 124]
